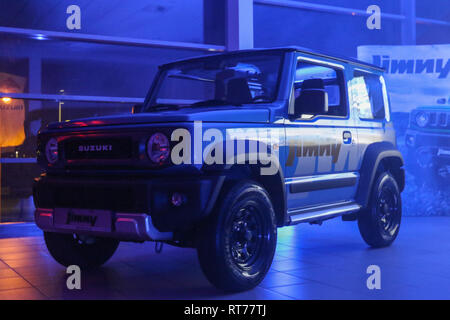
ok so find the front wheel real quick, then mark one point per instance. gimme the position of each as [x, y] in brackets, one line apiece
[237, 244]
[83, 251]
[379, 223]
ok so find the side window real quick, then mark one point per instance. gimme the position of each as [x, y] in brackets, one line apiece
[324, 78]
[366, 91]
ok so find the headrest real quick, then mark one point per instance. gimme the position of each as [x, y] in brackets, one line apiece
[238, 91]
[312, 101]
[313, 84]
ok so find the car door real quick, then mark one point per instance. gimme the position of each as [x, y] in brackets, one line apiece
[322, 155]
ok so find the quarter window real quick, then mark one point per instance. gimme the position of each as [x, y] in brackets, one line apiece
[367, 95]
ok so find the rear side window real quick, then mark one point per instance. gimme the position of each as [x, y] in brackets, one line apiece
[366, 90]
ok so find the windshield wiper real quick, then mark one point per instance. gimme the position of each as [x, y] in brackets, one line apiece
[159, 107]
[213, 102]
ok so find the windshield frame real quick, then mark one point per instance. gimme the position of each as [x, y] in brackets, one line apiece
[158, 80]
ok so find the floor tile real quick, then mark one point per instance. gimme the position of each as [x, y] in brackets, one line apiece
[316, 291]
[311, 262]
[7, 273]
[22, 294]
[278, 279]
[13, 283]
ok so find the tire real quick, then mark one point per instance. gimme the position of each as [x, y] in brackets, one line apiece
[89, 253]
[237, 243]
[379, 224]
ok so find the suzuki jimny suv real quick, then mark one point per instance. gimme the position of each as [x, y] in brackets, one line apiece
[428, 142]
[225, 149]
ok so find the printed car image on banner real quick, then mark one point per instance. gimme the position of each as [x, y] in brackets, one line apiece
[12, 111]
[415, 75]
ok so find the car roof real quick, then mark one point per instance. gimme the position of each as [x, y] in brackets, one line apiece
[286, 49]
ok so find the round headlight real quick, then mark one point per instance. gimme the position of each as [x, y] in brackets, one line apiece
[51, 150]
[422, 119]
[158, 148]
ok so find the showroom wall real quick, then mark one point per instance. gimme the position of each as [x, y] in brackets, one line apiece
[339, 34]
[88, 70]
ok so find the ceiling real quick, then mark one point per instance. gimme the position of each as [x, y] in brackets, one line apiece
[148, 19]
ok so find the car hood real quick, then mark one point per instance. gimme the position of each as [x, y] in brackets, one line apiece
[211, 114]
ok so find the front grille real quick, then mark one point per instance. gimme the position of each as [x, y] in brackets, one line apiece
[439, 120]
[127, 198]
[442, 120]
[98, 149]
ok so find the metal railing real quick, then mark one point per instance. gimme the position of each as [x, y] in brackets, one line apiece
[60, 97]
[340, 10]
[101, 39]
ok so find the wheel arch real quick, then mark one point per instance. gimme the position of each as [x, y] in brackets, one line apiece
[273, 184]
[379, 157]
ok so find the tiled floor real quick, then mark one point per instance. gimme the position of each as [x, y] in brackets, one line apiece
[312, 262]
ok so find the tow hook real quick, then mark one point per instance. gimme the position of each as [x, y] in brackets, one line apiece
[158, 246]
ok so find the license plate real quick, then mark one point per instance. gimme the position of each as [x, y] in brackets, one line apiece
[83, 219]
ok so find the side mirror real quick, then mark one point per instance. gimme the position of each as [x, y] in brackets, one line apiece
[311, 101]
[137, 108]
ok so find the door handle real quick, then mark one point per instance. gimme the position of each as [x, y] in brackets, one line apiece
[347, 137]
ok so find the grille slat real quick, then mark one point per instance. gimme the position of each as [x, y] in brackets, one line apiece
[439, 119]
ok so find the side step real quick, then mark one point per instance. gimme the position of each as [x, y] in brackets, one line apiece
[321, 213]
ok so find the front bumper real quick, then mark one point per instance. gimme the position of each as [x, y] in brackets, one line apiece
[132, 195]
[122, 226]
[416, 139]
[428, 149]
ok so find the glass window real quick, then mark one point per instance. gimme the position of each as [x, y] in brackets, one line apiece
[103, 72]
[219, 80]
[367, 95]
[331, 83]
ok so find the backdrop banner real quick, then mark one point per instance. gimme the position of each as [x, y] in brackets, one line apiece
[415, 75]
[12, 111]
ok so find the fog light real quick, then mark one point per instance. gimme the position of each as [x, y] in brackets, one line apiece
[177, 199]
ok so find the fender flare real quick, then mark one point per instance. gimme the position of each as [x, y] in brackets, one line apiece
[374, 155]
[268, 181]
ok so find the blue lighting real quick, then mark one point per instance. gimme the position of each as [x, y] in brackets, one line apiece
[40, 37]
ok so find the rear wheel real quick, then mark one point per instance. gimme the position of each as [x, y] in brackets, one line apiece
[237, 244]
[379, 224]
[83, 251]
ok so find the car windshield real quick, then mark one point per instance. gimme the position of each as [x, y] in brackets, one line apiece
[218, 80]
